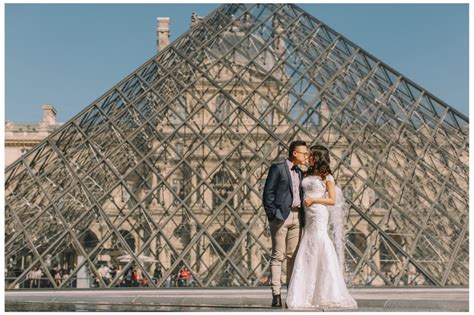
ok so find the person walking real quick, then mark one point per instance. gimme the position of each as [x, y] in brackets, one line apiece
[157, 274]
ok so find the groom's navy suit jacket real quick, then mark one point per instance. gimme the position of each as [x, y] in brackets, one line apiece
[278, 193]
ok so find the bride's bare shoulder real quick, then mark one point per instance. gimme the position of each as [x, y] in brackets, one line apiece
[329, 178]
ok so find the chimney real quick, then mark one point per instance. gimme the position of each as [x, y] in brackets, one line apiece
[162, 32]
[49, 115]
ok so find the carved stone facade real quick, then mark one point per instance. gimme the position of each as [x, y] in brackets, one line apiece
[21, 137]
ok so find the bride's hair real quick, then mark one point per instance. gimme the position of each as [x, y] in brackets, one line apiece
[322, 161]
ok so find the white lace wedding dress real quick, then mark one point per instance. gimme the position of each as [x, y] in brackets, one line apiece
[317, 281]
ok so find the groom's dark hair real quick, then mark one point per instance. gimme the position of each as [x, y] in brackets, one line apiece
[293, 146]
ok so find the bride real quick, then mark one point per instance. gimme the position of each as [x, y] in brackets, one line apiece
[317, 280]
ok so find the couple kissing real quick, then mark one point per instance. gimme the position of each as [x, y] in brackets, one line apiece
[298, 196]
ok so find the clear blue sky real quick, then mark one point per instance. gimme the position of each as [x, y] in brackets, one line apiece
[68, 55]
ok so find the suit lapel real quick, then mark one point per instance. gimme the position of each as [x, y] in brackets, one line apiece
[300, 175]
[289, 176]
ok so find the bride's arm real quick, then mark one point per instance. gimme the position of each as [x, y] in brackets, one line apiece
[330, 200]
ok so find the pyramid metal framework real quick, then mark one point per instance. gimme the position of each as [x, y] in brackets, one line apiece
[167, 167]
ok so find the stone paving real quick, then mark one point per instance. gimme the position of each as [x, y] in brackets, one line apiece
[226, 299]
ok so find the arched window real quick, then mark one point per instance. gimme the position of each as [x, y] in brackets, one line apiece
[90, 240]
[224, 238]
[129, 239]
[388, 252]
[183, 231]
[357, 239]
[178, 187]
[222, 182]
[377, 202]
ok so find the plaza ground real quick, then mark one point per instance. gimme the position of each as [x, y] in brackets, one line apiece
[226, 299]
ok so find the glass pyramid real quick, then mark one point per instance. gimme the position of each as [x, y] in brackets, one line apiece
[165, 171]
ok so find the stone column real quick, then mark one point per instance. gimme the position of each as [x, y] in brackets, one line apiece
[83, 275]
[248, 252]
[194, 181]
[154, 183]
[254, 250]
[163, 255]
[192, 253]
[243, 193]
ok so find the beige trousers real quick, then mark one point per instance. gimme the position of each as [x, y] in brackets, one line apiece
[285, 239]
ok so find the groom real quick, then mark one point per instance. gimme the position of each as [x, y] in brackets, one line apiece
[283, 203]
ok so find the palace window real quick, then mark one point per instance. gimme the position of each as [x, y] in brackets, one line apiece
[222, 183]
